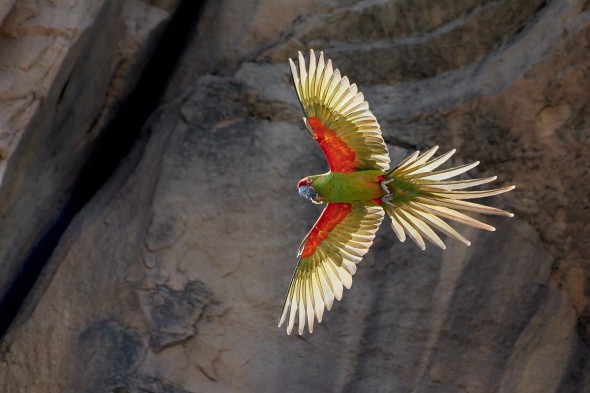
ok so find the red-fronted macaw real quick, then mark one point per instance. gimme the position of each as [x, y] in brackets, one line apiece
[359, 189]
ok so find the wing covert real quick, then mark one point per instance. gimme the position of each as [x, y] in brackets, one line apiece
[338, 117]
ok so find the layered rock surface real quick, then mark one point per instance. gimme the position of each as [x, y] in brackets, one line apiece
[62, 73]
[171, 279]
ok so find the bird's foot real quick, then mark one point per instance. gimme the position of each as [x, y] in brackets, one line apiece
[388, 197]
[384, 184]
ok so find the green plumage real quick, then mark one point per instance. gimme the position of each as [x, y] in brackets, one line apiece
[351, 187]
[362, 186]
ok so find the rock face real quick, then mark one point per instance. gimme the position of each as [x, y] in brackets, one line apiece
[61, 75]
[172, 277]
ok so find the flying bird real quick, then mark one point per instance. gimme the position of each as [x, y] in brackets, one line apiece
[360, 189]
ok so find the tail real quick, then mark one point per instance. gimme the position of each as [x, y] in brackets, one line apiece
[420, 197]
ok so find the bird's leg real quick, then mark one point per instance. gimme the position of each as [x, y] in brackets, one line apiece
[388, 195]
[384, 184]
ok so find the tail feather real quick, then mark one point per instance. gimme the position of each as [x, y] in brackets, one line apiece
[422, 196]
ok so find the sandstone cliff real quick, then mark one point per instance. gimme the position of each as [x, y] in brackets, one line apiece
[171, 277]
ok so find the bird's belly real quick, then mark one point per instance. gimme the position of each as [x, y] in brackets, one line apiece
[362, 186]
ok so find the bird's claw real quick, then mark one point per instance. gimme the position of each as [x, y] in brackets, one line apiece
[387, 199]
[384, 184]
[388, 195]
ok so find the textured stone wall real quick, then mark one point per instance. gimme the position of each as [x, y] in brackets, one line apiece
[172, 277]
[61, 74]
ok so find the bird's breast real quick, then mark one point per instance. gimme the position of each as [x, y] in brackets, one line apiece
[361, 186]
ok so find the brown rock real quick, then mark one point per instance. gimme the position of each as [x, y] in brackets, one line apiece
[172, 277]
[60, 76]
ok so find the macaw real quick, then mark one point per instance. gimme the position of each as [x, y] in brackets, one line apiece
[360, 188]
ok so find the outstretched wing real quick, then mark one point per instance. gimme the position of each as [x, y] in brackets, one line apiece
[338, 117]
[327, 260]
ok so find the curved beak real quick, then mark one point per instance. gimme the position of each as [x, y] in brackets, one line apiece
[307, 192]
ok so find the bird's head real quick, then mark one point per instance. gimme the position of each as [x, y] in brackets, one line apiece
[307, 191]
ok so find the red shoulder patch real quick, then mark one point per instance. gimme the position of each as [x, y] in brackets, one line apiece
[341, 157]
[330, 218]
